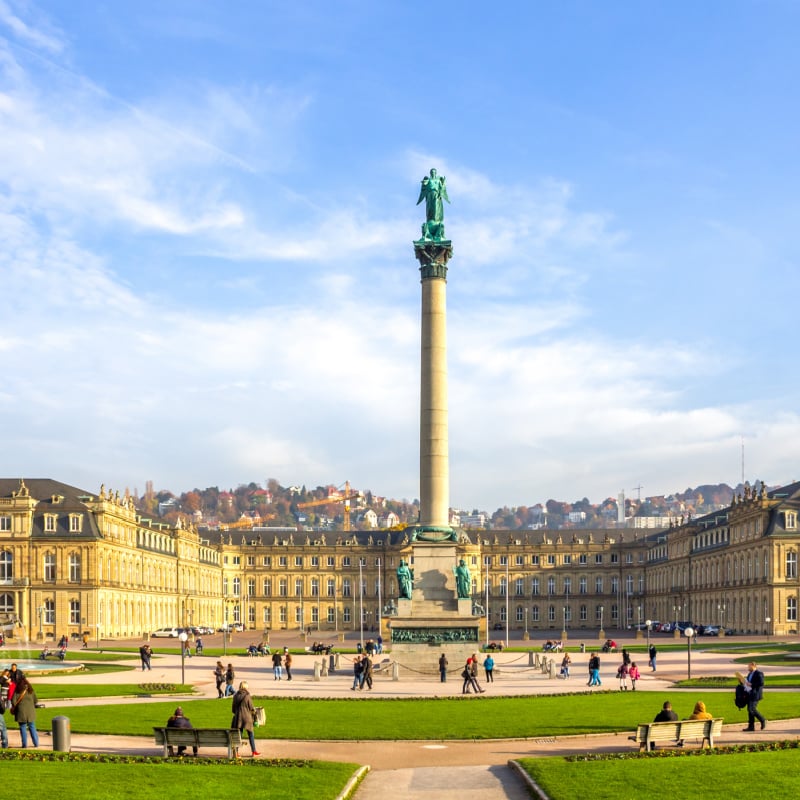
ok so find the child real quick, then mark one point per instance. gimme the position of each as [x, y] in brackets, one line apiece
[622, 674]
[633, 674]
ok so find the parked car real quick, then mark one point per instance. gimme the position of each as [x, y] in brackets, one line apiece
[231, 626]
[710, 630]
[166, 633]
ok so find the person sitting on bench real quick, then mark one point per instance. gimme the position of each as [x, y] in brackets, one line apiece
[177, 720]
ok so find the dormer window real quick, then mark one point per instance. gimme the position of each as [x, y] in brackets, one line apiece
[791, 520]
[75, 523]
[50, 523]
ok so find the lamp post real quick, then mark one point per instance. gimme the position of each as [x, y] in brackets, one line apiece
[601, 621]
[360, 607]
[225, 631]
[689, 632]
[183, 637]
[526, 624]
[721, 612]
[768, 620]
[41, 621]
[648, 622]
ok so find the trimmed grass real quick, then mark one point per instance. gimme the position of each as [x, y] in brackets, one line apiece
[715, 776]
[187, 780]
[425, 719]
[59, 691]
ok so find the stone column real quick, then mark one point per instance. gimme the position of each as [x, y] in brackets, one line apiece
[434, 475]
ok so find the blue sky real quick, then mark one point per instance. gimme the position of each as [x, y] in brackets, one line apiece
[207, 209]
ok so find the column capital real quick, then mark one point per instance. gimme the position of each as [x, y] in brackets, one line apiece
[433, 258]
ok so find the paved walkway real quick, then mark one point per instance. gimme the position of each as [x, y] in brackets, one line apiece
[451, 769]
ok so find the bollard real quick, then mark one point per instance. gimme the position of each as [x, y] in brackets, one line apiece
[583, 647]
[324, 667]
[316, 671]
[332, 663]
[552, 669]
[395, 671]
[336, 662]
[530, 658]
[61, 735]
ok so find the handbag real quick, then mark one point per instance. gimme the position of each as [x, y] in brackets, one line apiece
[260, 717]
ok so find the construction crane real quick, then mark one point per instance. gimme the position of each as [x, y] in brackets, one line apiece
[345, 498]
[246, 522]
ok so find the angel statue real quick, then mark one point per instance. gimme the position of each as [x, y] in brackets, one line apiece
[433, 191]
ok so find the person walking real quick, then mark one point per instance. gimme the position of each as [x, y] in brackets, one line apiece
[24, 711]
[144, 654]
[443, 668]
[651, 652]
[622, 674]
[633, 674]
[488, 666]
[565, 662]
[366, 672]
[594, 670]
[219, 678]
[243, 715]
[358, 668]
[277, 669]
[754, 686]
[287, 663]
[230, 677]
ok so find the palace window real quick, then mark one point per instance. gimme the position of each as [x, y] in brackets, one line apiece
[583, 586]
[534, 586]
[314, 561]
[791, 609]
[346, 616]
[74, 612]
[519, 587]
[251, 561]
[331, 587]
[791, 521]
[50, 523]
[266, 561]
[282, 614]
[551, 613]
[345, 561]
[791, 564]
[503, 586]
[551, 586]
[331, 561]
[5, 522]
[282, 562]
[535, 614]
[298, 587]
[346, 590]
[567, 585]
[583, 613]
[503, 561]
[267, 614]
[598, 558]
[567, 559]
[50, 567]
[298, 561]
[75, 523]
[283, 588]
[614, 585]
[251, 615]
[582, 558]
[266, 587]
[251, 588]
[331, 615]
[629, 584]
[535, 561]
[598, 586]
[315, 587]
[75, 568]
[6, 603]
[519, 561]
[237, 586]
[49, 612]
[551, 559]
[519, 613]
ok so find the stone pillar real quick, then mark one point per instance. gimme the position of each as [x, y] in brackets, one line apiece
[434, 476]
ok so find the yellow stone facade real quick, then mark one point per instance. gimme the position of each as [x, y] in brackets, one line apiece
[74, 563]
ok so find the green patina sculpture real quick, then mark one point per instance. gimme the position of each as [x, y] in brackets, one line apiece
[463, 580]
[433, 534]
[434, 192]
[405, 580]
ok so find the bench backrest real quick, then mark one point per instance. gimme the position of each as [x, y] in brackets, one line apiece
[681, 729]
[208, 737]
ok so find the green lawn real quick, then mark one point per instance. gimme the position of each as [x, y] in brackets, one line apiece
[76, 779]
[714, 776]
[430, 718]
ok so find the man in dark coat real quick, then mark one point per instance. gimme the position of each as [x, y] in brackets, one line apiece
[177, 720]
[754, 685]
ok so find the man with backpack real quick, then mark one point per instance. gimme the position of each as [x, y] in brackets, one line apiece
[754, 686]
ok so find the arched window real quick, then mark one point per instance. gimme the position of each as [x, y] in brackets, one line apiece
[6, 603]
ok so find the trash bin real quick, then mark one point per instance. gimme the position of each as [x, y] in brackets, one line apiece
[61, 735]
[583, 647]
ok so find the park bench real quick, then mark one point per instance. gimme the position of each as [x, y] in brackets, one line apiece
[199, 737]
[651, 732]
[382, 666]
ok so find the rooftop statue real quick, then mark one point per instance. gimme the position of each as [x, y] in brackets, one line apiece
[433, 191]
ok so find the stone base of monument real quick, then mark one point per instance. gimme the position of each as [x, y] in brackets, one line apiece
[434, 620]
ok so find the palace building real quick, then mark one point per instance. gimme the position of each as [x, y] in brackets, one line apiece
[73, 562]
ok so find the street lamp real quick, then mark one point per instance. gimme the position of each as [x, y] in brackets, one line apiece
[183, 637]
[41, 621]
[648, 622]
[526, 623]
[768, 620]
[360, 606]
[688, 633]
